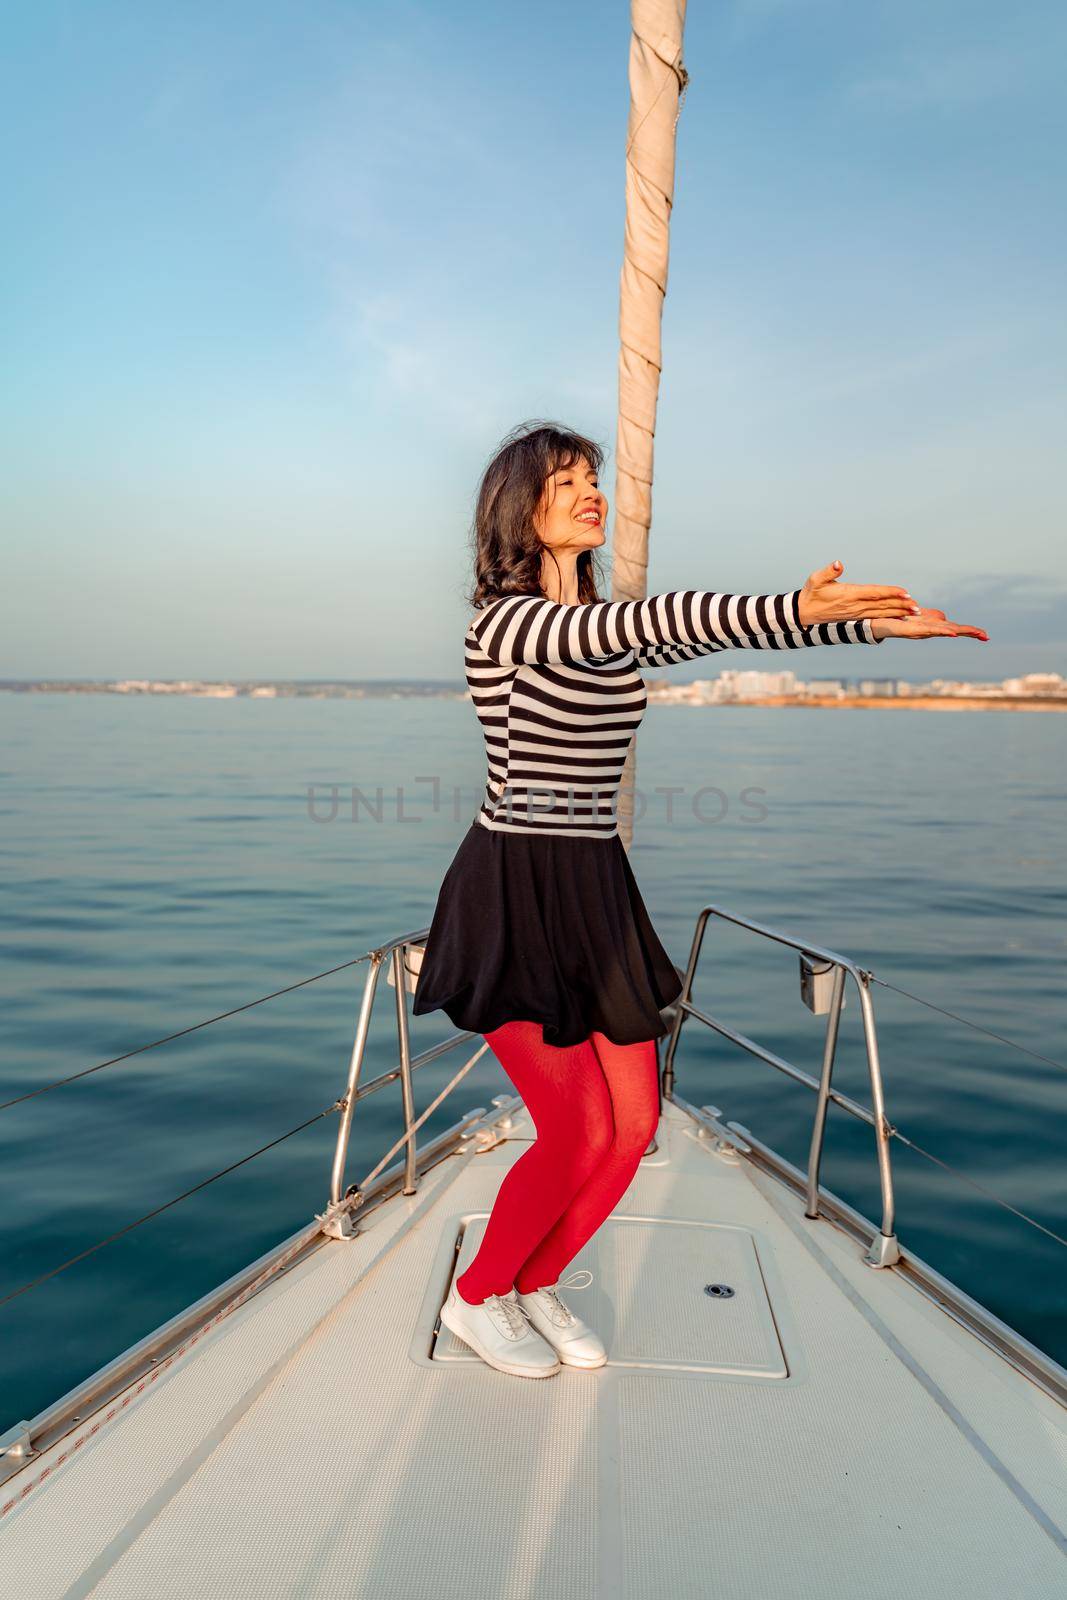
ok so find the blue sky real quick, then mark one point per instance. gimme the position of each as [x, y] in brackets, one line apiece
[278, 277]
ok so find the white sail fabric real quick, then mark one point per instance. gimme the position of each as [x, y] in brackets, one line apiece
[657, 86]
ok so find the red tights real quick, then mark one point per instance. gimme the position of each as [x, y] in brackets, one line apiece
[595, 1106]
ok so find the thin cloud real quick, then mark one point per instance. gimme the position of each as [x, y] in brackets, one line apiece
[962, 78]
[417, 357]
[1023, 608]
[929, 359]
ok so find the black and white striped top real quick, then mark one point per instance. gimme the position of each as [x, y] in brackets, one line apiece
[559, 696]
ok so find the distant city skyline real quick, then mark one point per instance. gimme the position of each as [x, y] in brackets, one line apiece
[279, 279]
[729, 683]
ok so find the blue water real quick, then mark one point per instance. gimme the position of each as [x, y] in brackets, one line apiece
[161, 865]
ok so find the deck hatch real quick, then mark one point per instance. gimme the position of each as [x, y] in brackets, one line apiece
[649, 1297]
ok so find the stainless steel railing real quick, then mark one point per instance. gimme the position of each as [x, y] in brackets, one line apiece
[479, 1128]
[145, 1361]
[884, 1249]
[336, 1220]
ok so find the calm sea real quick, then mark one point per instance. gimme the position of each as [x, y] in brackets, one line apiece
[162, 864]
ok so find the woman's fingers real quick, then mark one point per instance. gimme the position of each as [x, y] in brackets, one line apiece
[933, 625]
[964, 630]
[889, 600]
[874, 591]
[869, 593]
[872, 600]
[848, 610]
[954, 629]
[825, 574]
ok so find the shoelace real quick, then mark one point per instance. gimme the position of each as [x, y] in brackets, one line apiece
[512, 1312]
[561, 1314]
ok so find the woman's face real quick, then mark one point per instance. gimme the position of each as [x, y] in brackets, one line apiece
[573, 510]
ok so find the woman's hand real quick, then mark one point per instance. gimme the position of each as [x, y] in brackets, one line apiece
[824, 599]
[929, 624]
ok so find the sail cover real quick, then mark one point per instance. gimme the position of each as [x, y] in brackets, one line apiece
[657, 87]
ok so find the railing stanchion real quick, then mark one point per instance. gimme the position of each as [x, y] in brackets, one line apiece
[818, 1131]
[681, 1003]
[337, 1177]
[404, 1040]
[884, 1250]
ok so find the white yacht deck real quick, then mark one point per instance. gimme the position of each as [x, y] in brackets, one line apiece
[826, 1430]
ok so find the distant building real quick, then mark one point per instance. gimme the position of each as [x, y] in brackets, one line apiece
[1043, 683]
[750, 684]
[784, 682]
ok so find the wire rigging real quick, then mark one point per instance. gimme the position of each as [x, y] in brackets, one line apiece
[896, 1133]
[168, 1038]
[967, 1023]
[33, 1283]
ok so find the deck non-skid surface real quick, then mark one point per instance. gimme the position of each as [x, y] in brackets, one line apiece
[843, 1437]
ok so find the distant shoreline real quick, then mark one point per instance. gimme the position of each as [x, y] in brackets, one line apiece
[205, 689]
[909, 702]
[430, 688]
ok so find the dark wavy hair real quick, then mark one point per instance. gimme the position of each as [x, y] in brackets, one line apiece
[507, 546]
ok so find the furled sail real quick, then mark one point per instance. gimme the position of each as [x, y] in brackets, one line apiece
[657, 87]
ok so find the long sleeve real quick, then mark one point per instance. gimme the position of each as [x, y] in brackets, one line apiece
[798, 638]
[521, 630]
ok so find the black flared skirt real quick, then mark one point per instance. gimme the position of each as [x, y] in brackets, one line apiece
[542, 928]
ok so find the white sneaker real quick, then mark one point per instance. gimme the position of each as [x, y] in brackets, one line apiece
[498, 1331]
[574, 1341]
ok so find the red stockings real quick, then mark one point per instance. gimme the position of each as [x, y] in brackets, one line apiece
[595, 1106]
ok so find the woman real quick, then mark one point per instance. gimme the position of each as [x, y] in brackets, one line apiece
[540, 940]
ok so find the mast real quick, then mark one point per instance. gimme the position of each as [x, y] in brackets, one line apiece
[657, 87]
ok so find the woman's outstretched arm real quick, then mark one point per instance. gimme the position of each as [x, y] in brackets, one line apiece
[861, 632]
[823, 590]
[518, 630]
